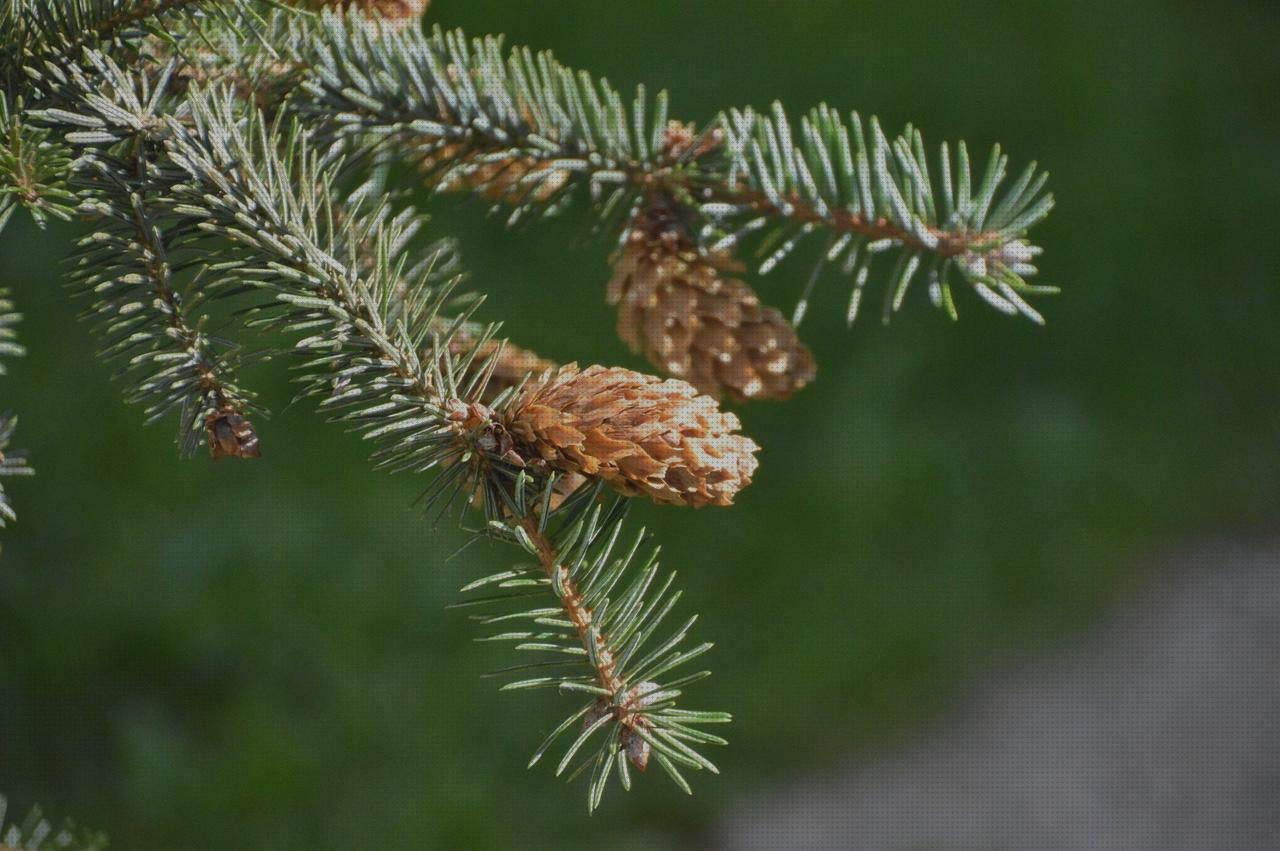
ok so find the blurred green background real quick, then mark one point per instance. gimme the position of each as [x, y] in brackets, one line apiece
[257, 656]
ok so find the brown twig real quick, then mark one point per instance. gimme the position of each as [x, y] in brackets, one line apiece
[227, 431]
[577, 612]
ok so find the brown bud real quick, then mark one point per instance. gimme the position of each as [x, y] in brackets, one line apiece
[598, 710]
[643, 694]
[685, 312]
[230, 435]
[681, 141]
[639, 433]
[637, 749]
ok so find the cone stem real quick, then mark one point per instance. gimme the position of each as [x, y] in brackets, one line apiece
[579, 614]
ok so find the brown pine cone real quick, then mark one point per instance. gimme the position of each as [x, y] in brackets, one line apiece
[230, 435]
[682, 310]
[639, 433]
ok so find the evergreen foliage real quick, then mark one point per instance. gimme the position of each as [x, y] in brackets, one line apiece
[36, 833]
[522, 128]
[251, 156]
[33, 170]
[127, 270]
[12, 463]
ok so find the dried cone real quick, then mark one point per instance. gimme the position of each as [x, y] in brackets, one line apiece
[230, 435]
[681, 310]
[642, 435]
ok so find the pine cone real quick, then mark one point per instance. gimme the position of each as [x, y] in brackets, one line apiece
[639, 433]
[682, 311]
[230, 435]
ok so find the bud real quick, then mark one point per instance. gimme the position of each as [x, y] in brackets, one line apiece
[681, 141]
[637, 749]
[598, 710]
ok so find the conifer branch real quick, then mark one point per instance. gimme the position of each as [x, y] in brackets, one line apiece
[524, 130]
[127, 268]
[609, 616]
[254, 231]
[12, 463]
[34, 31]
[33, 169]
[9, 319]
[36, 833]
[222, 149]
[257, 203]
[40, 34]
[397, 13]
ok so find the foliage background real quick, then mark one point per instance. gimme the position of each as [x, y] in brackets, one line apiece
[258, 655]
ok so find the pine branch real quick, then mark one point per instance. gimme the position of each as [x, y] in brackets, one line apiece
[121, 117]
[9, 318]
[524, 130]
[634, 730]
[12, 463]
[169, 362]
[260, 205]
[127, 268]
[190, 176]
[35, 833]
[261, 62]
[37, 34]
[34, 31]
[254, 62]
[33, 170]
[398, 13]
[875, 196]
[73, 26]
[611, 608]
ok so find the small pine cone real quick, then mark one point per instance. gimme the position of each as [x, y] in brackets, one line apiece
[639, 433]
[682, 311]
[230, 435]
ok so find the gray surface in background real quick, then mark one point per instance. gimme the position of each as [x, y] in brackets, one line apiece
[1161, 730]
